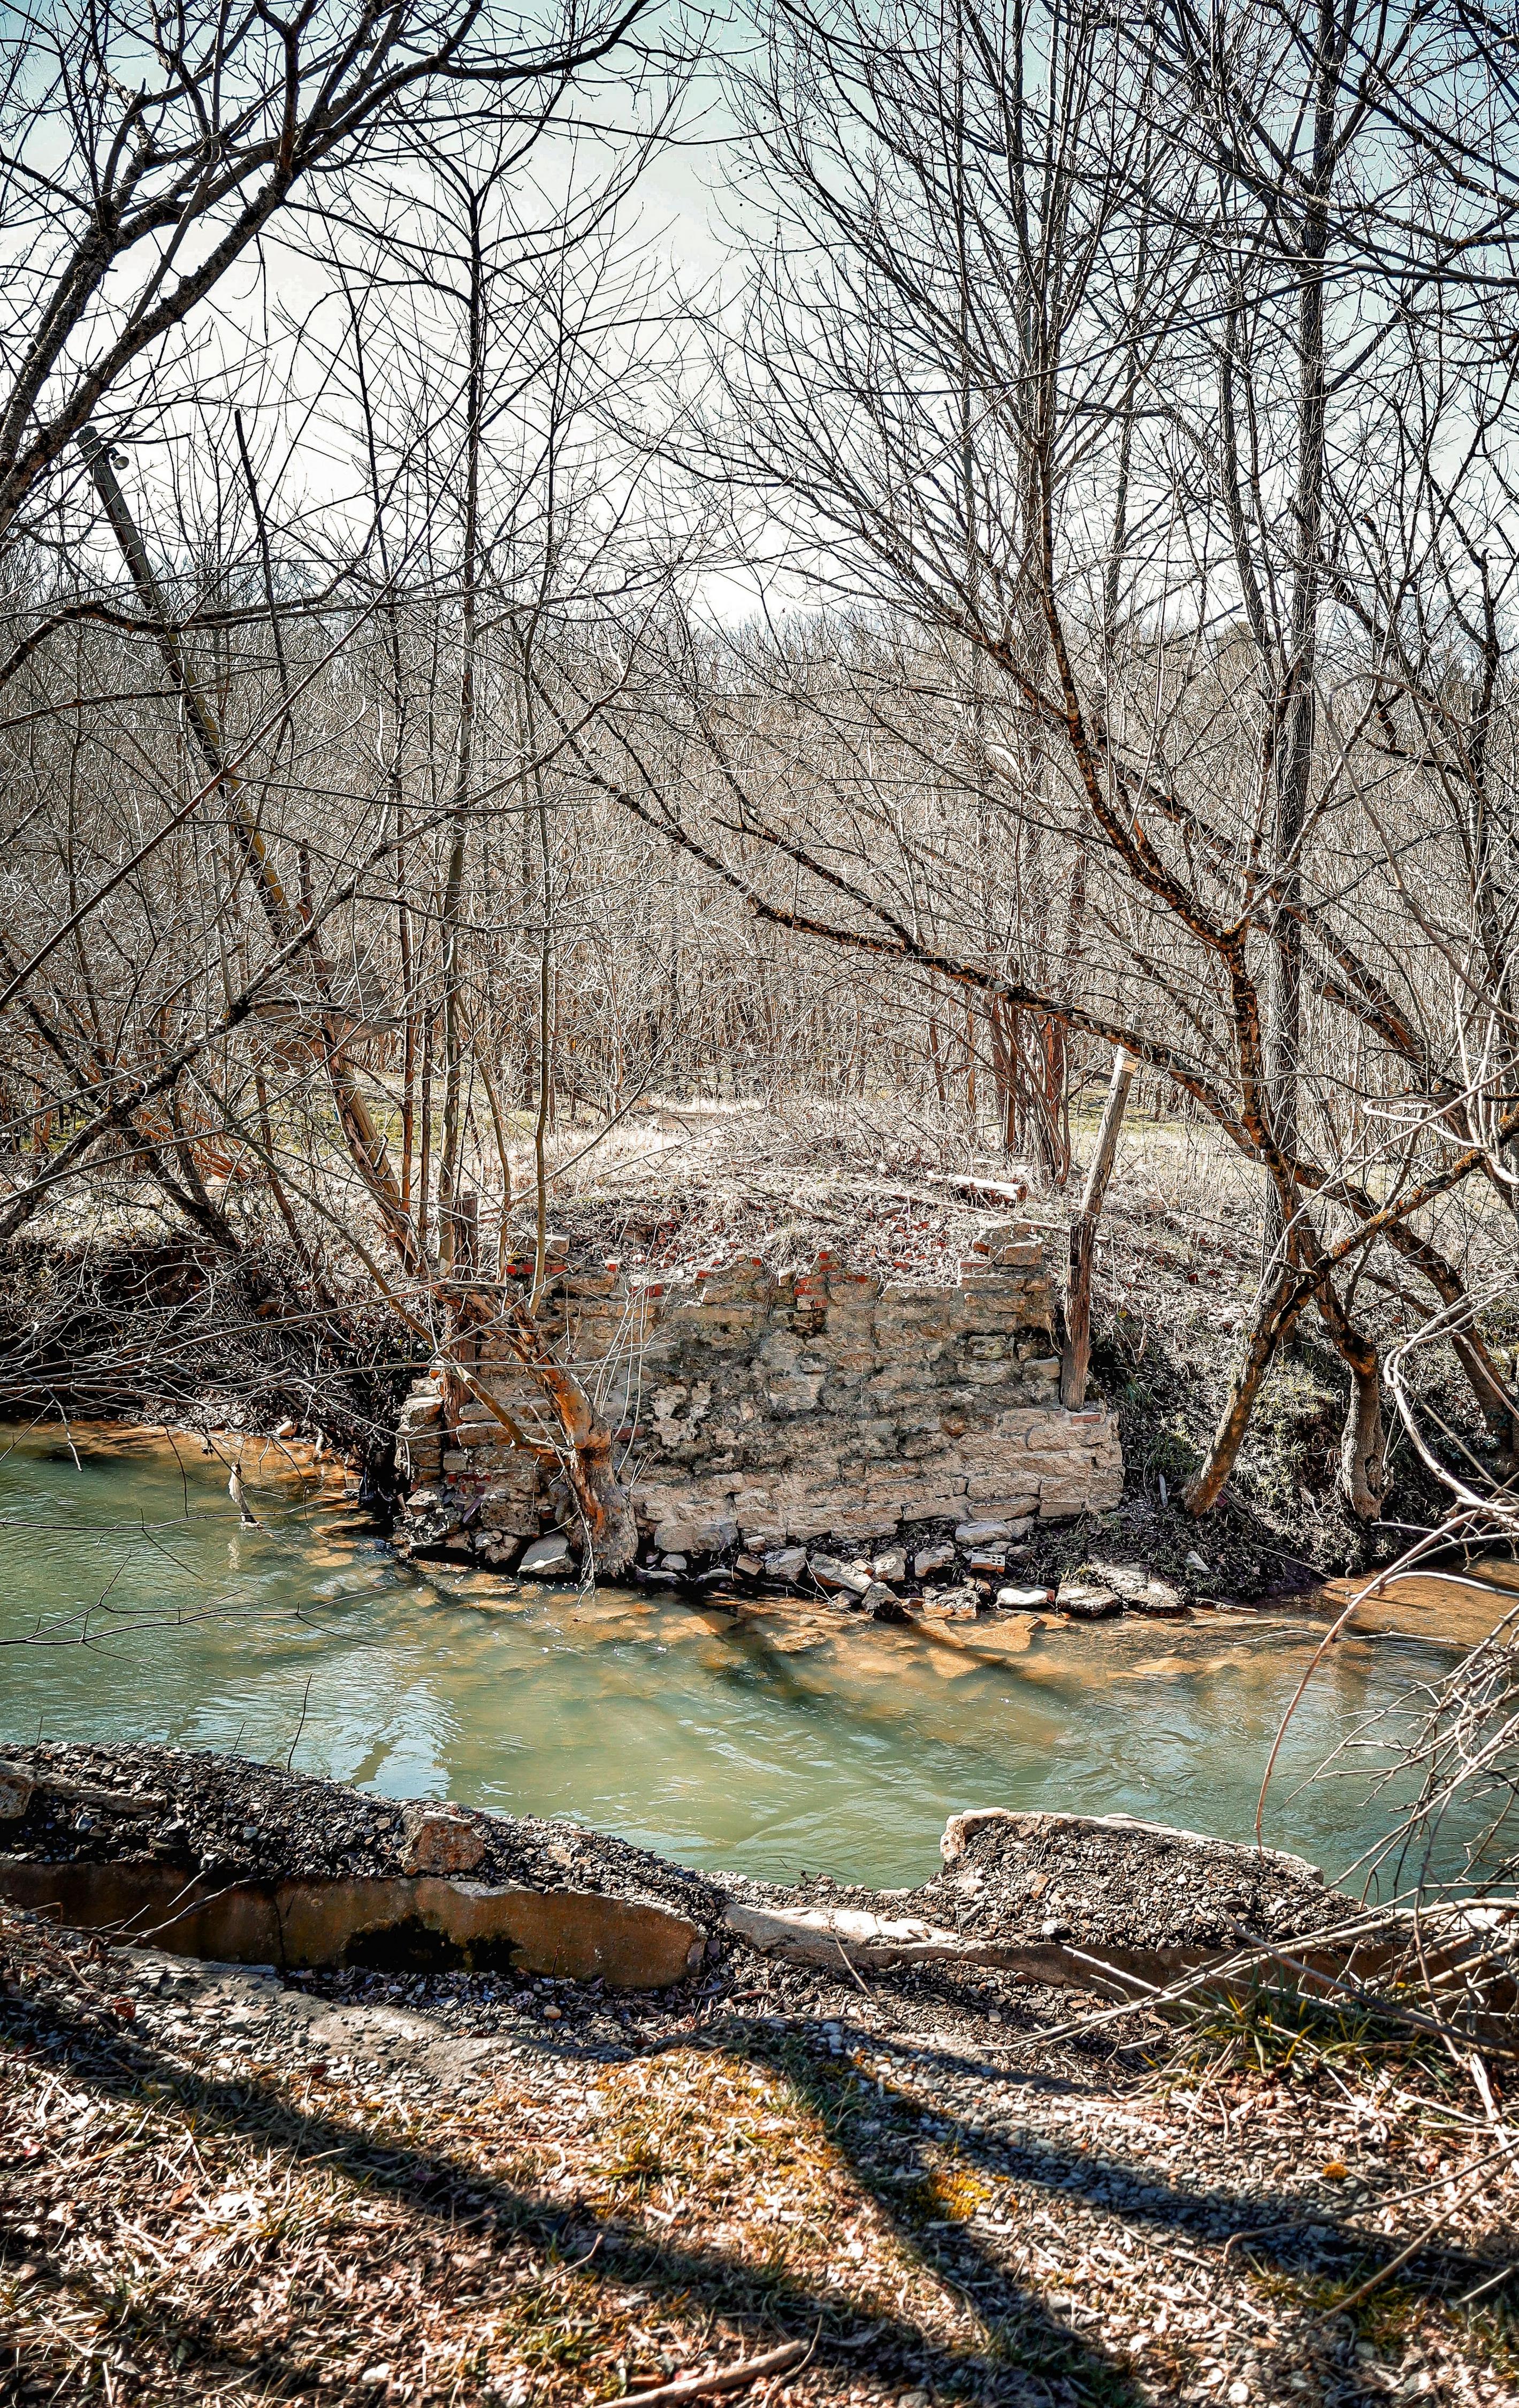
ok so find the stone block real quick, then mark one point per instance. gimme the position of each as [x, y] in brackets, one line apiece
[905, 1314]
[486, 1431]
[951, 1605]
[785, 1563]
[809, 1519]
[1087, 1600]
[862, 1521]
[853, 1363]
[935, 1559]
[751, 1504]
[840, 1579]
[898, 1384]
[935, 1505]
[1009, 1232]
[1015, 1509]
[545, 1558]
[441, 1839]
[720, 1326]
[697, 1537]
[853, 1288]
[14, 1791]
[511, 1517]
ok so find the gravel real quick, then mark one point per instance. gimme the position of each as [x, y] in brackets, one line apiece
[236, 1820]
[1010, 1878]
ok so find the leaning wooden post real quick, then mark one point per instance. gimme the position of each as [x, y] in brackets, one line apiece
[1083, 1236]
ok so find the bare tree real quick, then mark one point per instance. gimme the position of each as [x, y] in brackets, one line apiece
[140, 161]
[1160, 291]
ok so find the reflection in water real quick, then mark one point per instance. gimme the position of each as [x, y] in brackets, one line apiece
[765, 1741]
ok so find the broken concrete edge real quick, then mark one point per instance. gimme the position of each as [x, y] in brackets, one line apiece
[960, 1829]
[425, 1920]
[384, 1921]
[837, 1938]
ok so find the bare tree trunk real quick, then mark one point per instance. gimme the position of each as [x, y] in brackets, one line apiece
[1076, 1351]
[453, 1016]
[1277, 1308]
[366, 1142]
[611, 1532]
[1283, 1033]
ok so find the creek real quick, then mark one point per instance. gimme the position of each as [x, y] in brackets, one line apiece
[135, 1606]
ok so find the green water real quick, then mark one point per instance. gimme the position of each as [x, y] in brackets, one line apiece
[133, 1606]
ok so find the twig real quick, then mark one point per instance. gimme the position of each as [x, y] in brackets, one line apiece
[728, 2378]
[301, 1725]
[851, 1968]
[1420, 2241]
[1406, 1561]
[1374, 2282]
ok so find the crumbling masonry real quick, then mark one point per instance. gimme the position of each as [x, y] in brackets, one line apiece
[758, 1412]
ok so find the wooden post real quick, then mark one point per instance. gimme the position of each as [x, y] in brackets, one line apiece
[1083, 1237]
[465, 1234]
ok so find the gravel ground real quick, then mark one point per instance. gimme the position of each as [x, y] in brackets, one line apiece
[234, 1819]
[215, 2186]
[1032, 1876]
[1013, 1878]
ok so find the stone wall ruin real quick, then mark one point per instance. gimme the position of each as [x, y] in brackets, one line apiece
[760, 1412]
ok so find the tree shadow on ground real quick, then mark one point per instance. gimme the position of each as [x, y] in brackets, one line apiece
[1032, 2353]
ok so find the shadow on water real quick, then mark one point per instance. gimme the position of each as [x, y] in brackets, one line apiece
[761, 1741]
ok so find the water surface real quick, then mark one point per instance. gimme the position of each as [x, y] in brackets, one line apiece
[133, 1606]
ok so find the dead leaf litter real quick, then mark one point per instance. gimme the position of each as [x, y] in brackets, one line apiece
[219, 2185]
